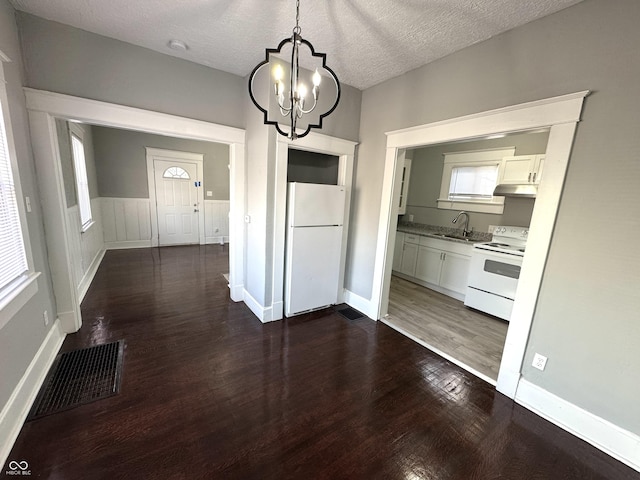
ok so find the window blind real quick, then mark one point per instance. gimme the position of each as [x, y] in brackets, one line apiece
[473, 182]
[13, 260]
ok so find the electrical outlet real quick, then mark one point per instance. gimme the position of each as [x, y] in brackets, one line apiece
[539, 361]
[45, 317]
[411, 218]
[209, 193]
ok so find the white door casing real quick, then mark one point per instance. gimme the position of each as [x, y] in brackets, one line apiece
[44, 107]
[561, 115]
[314, 142]
[176, 205]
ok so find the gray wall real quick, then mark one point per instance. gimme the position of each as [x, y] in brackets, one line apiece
[21, 337]
[426, 177]
[586, 318]
[121, 162]
[63, 59]
[67, 60]
[312, 167]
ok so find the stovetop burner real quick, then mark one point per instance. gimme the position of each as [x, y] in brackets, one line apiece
[510, 240]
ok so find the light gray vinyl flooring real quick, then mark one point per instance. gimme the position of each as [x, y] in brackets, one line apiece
[444, 323]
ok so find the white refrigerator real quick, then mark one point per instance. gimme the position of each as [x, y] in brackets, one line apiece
[315, 214]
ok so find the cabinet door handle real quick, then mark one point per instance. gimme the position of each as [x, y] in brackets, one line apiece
[529, 178]
[444, 256]
[534, 177]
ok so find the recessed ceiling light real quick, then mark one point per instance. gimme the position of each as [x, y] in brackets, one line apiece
[178, 45]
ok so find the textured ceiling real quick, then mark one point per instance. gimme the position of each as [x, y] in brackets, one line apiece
[366, 41]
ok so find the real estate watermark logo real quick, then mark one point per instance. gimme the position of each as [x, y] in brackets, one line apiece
[18, 468]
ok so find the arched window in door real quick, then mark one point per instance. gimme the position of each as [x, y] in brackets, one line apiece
[176, 172]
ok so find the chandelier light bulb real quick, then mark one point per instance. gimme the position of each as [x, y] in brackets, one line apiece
[302, 90]
[316, 79]
[278, 73]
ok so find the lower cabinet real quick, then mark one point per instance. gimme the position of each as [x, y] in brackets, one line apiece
[438, 264]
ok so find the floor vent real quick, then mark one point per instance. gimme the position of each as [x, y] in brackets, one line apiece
[79, 377]
[349, 313]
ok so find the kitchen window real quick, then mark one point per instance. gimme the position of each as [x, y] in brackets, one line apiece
[469, 178]
[17, 279]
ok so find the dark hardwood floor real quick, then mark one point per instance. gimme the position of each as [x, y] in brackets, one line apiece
[208, 392]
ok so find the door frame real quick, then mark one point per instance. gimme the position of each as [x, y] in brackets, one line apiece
[559, 114]
[318, 143]
[177, 157]
[44, 107]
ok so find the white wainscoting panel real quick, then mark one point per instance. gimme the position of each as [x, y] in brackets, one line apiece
[15, 411]
[126, 222]
[87, 248]
[216, 221]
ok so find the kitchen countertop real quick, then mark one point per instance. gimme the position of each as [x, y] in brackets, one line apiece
[436, 231]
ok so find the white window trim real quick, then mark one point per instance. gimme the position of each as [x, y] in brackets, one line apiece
[472, 158]
[24, 288]
[78, 131]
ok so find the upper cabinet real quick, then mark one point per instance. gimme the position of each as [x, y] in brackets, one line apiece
[522, 169]
[404, 186]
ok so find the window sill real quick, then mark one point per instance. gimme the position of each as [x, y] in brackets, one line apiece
[85, 228]
[478, 207]
[17, 297]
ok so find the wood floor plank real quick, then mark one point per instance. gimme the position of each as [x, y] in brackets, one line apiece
[209, 392]
[473, 338]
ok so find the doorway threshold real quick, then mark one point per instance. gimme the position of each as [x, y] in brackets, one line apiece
[389, 322]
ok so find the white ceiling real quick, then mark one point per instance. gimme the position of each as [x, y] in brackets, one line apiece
[366, 41]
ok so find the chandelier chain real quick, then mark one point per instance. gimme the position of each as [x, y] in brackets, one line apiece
[297, 28]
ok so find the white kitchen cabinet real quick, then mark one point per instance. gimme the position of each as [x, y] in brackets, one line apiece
[441, 265]
[409, 257]
[455, 269]
[404, 186]
[398, 248]
[429, 264]
[522, 169]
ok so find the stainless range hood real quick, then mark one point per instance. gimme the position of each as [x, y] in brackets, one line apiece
[518, 190]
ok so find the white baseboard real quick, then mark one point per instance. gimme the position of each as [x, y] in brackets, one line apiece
[602, 434]
[236, 292]
[127, 244]
[219, 240]
[88, 277]
[15, 412]
[361, 304]
[264, 314]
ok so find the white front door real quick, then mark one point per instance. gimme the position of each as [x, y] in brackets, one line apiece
[177, 201]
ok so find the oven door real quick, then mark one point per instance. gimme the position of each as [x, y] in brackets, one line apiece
[495, 272]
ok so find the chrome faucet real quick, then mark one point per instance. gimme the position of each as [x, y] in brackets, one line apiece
[465, 231]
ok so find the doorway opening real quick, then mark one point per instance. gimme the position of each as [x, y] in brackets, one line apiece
[560, 115]
[44, 108]
[429, 272]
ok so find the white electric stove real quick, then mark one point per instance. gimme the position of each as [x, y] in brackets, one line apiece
[494, 271]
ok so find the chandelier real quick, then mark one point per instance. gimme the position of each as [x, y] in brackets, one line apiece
[290, 112]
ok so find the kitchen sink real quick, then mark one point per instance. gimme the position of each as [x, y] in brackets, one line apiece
[455, 237]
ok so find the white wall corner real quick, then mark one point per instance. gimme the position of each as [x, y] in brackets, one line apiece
[264, 314]
[613, 440]
[368, 307]
[15, 411]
